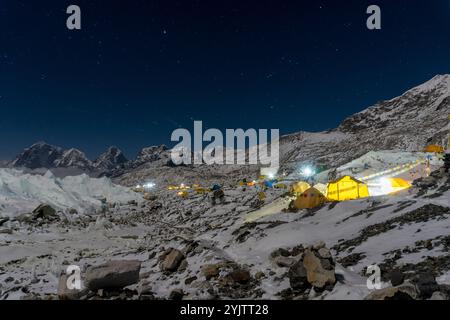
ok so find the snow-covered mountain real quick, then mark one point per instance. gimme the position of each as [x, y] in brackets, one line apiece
[111, 159]
[44, 155]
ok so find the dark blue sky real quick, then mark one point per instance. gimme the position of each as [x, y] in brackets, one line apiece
[140, 69]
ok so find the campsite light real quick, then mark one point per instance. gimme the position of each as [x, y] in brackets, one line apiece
[149, 185]
[385, 186]
[307, 171]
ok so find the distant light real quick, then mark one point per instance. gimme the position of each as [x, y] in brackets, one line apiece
[138, 186]
[307, 171]
[271, 176]
[149, 185]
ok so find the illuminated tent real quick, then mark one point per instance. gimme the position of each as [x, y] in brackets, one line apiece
[300, 187]
[347, 188]
[398, 184]
[322, 188]
[311, 198]
[434, 148]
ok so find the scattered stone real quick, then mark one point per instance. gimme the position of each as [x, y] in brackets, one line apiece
[324, 253]
[113, 274]
[210, 271]
[284, 262]
[64, 293]
[240, 276]
[3, 221]
[172, 260]
[280, 252]
[183, 265]
[396, 277]
[6, 231]
[297, 275]
[426, 284]
[189, 280]
[176, 294]
[319, 244]
[259, 275]
[317, 274]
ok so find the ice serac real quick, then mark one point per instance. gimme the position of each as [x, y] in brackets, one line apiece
[111, 159]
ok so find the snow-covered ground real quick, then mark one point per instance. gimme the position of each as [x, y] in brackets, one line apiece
[408, 230]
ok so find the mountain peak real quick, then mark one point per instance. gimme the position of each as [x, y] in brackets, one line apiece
[110, 159]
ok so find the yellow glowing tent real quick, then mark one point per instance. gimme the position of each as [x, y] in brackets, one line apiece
[398, 184]
[311, 198]
[322, 188]
[300, 187]
[347, 188]
[434, 148]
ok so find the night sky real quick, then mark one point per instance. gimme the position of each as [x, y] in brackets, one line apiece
[140, 69]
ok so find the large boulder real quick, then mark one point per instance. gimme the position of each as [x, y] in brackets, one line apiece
[64, 293]
[297, 275]
[426, 284]
[320, 273]
[172, 260]
[113, 274]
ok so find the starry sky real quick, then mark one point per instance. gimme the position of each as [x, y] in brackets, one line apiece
[137, 70]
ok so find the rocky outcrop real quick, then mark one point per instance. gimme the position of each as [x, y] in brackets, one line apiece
[113, 275]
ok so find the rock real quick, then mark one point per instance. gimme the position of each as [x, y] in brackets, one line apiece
[298, 277]
[189, 280]
[284, 262]
[280, 252]
[132, 203]
[44, 211]
[396, 277]
[6, 231]
[426, 284]
[438, 296]
[210, 271]
[317, 275]
[240, 276]
[3, 221]
[259, 275]
[64, 293]
[406, 291]
[317, 245]
[172, 260]
[324, 253]
[183, 265]
[113, 274]
[176, 294]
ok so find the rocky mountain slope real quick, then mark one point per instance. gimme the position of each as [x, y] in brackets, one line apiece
[407, 123]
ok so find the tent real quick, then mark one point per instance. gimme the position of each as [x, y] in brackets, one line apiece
[311, 198]
[398, 184]
[434, 148]
[322, 188]
[300, 187]
[347, 188]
